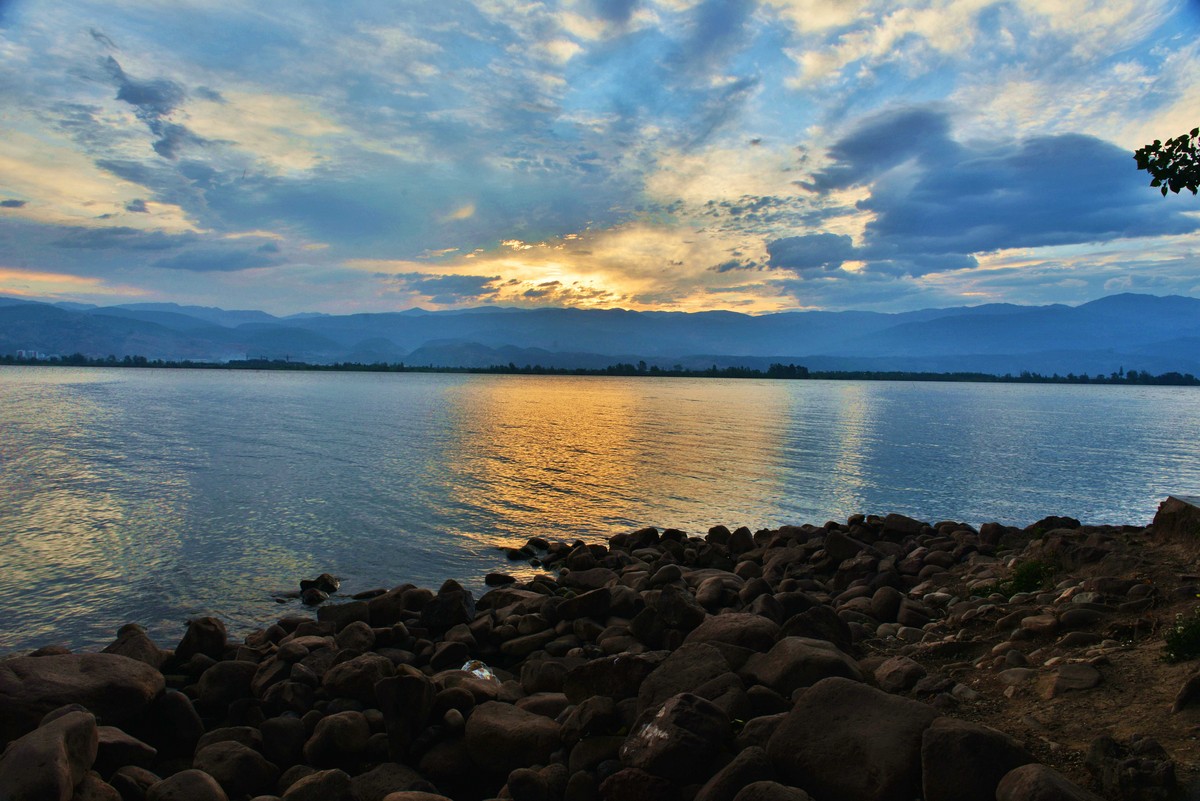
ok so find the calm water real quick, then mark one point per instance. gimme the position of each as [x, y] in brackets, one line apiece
[155, 495]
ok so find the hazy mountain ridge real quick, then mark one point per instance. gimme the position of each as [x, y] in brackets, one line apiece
[1143, 332]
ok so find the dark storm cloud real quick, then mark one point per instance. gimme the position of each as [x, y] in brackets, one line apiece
[156, 97]
[447, 289]
[936, 202]
[153, 102]
[216, 260]
[802, 254]
[885, 141]
[12, 203]
[124, 238]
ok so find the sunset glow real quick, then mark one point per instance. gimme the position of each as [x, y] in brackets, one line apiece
[657, 154]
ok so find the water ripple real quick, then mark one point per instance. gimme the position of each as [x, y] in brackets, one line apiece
[151, 496]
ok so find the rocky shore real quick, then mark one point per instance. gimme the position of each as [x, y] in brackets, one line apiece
[879, 659]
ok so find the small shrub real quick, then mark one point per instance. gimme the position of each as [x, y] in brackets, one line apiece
[1183, 638]
[1032, 576]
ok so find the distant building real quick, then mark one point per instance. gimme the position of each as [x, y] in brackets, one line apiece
[30, 354]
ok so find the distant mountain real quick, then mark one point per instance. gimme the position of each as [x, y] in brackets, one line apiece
[1143, 332]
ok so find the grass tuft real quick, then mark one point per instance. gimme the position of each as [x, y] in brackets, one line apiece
[1183, 638]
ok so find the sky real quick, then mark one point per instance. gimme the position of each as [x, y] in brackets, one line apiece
[679, 155]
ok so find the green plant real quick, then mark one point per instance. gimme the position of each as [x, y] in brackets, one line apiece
[1029, 576]
[1173, 165]
[1183, 638]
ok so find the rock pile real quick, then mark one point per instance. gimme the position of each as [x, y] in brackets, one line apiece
[813, 662]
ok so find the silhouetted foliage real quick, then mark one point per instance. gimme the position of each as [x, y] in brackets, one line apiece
[774, 371]
[1174, 164]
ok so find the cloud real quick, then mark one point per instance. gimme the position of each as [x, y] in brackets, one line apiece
[122, 237]
[12, 204]
[447, 289]
[935, 203]
[217, 260]
[138, 206]
[811, 252]
[154, 101]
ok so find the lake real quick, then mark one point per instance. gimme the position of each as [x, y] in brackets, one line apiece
[154, 495]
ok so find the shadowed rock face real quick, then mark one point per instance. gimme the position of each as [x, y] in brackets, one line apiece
[729, 668]
[116, 688]
[846, 740]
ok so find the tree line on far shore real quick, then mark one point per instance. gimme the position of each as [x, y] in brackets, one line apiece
[774, 371]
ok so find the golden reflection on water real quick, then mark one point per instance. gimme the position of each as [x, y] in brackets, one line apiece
[72, 527]
[855, 425]
[560, 456]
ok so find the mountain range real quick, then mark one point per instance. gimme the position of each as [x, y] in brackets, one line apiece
[1131, 331]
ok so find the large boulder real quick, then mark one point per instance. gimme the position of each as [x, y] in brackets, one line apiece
[187, 785]
[685, 669]
[617, 677]
[742, 629]
[796, 662]
[501, 737]
[224, 683]
[1036, 782]
[204, 635]
[115, 688]
[133, 641]
[1178, 520]
[240, 770]
[47, 763]
[681, 741]
[848, 741]
[962, 761]
[338, 739]
[357, 677]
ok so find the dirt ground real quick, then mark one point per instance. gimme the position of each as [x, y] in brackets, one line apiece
[1138, 688]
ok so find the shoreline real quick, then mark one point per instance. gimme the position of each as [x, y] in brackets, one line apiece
[663, 665]
[776, 372]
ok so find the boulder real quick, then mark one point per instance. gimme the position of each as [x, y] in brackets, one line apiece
[680, 741]
[283, 740]
[1036, 782]
[796, 662]
[224, 683]
[175, 725]
[594, 604]
[634, 784]
[325, 785]
[685, 669]
[204, 635]
[389, 777]
[770, 791]
[617, 677]
[117, 749]
[898, 674]
[1178, 520]
[133, 642]
[749, 766]
[963, 761]
[1070, 677]
[115, 688]
[357, 678]
[736, 628]
[338, 739]
[239, 769]
[93, 788]
[501, 738]
[187, 785]
[49, 761]
[848, 741]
